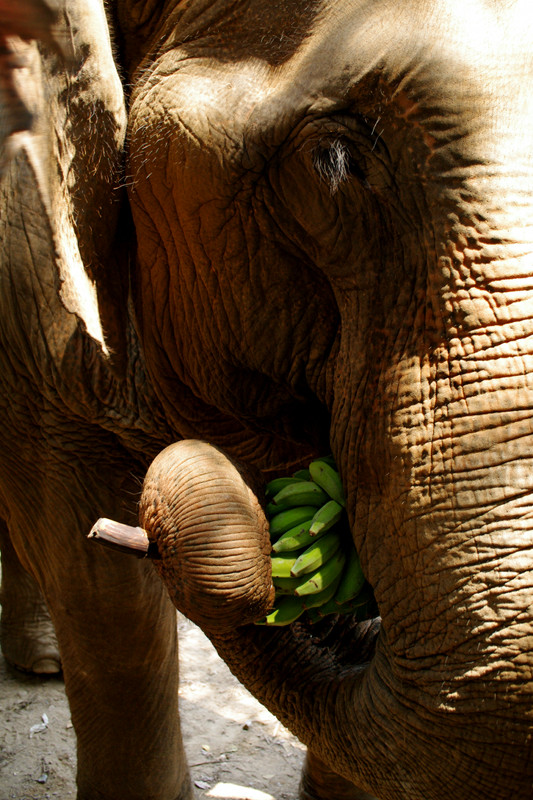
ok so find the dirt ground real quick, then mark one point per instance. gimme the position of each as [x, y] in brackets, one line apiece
[236, 749]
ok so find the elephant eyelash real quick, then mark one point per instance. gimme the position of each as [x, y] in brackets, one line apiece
[334, 163]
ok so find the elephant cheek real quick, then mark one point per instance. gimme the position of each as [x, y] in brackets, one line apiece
[211, 534]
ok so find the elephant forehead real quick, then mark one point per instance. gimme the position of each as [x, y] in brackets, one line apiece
[334, 45]
[198, 96]
[459, 71]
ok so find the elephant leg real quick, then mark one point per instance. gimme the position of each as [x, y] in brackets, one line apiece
[27, 635]
[319, 782]
[116, 627]
[118, 638]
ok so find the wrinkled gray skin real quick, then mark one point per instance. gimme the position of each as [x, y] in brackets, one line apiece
[329, 248]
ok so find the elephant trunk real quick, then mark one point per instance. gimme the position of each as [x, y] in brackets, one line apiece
[211, 534]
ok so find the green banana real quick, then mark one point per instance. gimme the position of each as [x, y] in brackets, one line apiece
[286, 610]
[301, 493]
[312, 570]
[282, 564]
[314, 615]
[328, 478]
[296, 538]
[326, 517]
[352, 580]
[363, 606]
[327, 460]
[317, 600]
[331, 607]
[276, 484]
[324, 576]
[318, 613]
[316, 554]
[285, 520]
[286, 585]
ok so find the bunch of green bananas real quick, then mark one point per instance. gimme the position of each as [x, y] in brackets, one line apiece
[315, 567]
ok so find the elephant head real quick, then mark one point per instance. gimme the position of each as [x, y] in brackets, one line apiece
[333, 208]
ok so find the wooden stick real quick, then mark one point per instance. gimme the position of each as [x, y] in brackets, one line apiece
[124, 538]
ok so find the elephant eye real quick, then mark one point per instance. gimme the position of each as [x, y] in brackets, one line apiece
[334, 162]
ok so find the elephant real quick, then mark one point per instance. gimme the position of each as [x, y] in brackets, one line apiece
[237, 236]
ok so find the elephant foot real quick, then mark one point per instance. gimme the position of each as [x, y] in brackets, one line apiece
[319, 782]
[27, 634]
[30, 644]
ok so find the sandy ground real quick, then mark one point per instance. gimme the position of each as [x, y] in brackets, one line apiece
[236, 749]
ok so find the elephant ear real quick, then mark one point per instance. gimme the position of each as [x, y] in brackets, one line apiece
[20, 23]
[63, 119]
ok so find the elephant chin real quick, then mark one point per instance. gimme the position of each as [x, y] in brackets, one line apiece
[202, 512]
